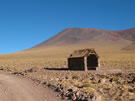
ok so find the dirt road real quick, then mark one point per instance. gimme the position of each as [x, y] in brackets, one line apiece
[14, 88]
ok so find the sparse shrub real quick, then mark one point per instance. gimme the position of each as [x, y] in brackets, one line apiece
[117, 78]
[87, 85]
[43, 76]
[1, 67]
[89, 90]
[76, 76]
[119, 98]
[86, 80]
[76, 83]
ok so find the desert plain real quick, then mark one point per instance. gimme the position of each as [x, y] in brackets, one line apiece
[46, 65]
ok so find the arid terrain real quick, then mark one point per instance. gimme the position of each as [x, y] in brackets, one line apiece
[46, 65]
[14, 88]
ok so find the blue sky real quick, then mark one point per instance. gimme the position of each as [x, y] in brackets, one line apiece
[25, 23]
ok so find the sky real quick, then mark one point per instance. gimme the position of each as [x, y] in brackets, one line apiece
[26, 23]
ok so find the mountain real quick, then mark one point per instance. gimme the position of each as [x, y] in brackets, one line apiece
[91, 37]
[128, 34]
[129, 47]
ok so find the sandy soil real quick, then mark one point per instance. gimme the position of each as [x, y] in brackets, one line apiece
[14, 88]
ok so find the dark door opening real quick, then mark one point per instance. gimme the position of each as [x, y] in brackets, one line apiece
[92, 61]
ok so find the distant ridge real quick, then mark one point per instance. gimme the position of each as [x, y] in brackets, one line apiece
[73, 36]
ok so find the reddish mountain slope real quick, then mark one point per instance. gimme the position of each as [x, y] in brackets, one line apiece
[85, 35]
[128, 34]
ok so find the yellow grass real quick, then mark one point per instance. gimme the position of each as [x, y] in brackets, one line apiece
[56, 57]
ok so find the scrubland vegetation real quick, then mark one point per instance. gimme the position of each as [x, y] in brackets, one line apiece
[87, 86]
[115, 80]
[108, 61]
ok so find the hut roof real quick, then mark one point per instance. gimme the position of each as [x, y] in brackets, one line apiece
[83, 53]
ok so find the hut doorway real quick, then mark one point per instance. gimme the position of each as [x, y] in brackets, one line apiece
[92, 62]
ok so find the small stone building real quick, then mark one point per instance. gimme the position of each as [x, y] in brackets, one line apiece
[84, 59]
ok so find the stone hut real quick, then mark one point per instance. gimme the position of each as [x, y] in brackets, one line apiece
[84, 59]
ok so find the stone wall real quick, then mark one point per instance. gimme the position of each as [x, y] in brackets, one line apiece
[76, 63]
